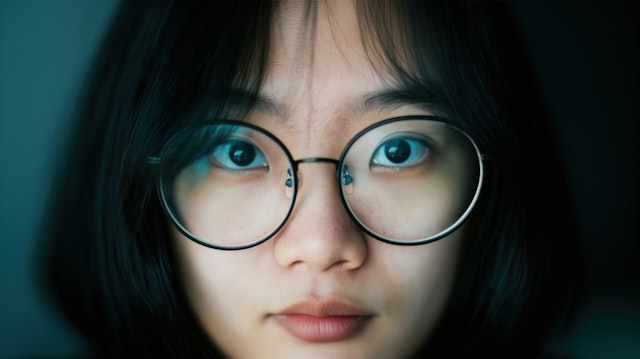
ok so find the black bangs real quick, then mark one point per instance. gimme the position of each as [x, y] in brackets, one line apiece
[169, 65]
[444, 54]
[201, 55]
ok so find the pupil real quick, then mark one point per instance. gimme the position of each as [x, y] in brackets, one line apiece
[242, 153]
[397, 151]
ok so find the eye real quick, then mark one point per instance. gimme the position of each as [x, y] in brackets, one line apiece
[238, 155]
[400, 152]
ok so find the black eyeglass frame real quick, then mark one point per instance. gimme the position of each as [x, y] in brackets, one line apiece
[338, 164]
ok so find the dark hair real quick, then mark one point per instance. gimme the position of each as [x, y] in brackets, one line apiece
[108, 259]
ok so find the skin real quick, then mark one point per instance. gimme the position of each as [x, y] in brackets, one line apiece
[318, 89]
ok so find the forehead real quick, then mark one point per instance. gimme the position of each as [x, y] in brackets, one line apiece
[317, 59]
[299, 29]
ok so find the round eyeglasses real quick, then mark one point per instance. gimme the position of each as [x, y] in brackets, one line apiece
[406, 180]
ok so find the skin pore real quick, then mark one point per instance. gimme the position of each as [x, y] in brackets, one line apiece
[318, 93]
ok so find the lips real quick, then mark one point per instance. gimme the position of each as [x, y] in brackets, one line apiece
[323, 321]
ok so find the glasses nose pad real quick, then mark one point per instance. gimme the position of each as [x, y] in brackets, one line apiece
[346, 180]
[288, 189]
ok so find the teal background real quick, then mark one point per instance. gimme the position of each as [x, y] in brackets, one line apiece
[586, 56]
[45, 49]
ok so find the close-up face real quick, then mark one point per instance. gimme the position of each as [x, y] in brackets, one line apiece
[323, 286]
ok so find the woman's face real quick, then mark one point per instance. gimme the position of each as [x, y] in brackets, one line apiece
[320, 288]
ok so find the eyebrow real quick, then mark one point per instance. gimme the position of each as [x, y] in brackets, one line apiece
[242, 100]
[394, 98]
[385, 100]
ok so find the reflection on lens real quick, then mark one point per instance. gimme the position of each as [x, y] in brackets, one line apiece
[412, 180]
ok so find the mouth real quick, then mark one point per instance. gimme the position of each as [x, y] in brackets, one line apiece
[323, 321]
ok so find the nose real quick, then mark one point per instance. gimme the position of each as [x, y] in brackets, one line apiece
[319, 234]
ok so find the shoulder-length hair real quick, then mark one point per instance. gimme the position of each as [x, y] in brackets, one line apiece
[108, 261]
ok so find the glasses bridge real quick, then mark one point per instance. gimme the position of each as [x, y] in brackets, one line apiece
[346, 177]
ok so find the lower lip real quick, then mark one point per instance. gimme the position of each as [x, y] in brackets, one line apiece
[322, 329]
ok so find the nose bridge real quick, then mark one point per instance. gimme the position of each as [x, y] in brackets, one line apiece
[311, 160]
[320, 173]
[319, 232]
[319, 160]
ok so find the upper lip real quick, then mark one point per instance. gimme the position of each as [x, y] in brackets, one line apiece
[326, 307]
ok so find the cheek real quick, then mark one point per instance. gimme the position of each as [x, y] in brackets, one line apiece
[215, 286]
[419, 284]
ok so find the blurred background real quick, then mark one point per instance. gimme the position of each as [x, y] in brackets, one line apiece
[586, 56]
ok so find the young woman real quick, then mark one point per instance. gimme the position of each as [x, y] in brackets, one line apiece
[326, 179]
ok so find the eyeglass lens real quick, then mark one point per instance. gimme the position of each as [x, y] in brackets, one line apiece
[231, 185]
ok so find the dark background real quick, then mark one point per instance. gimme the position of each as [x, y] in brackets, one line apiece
[586, 58]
